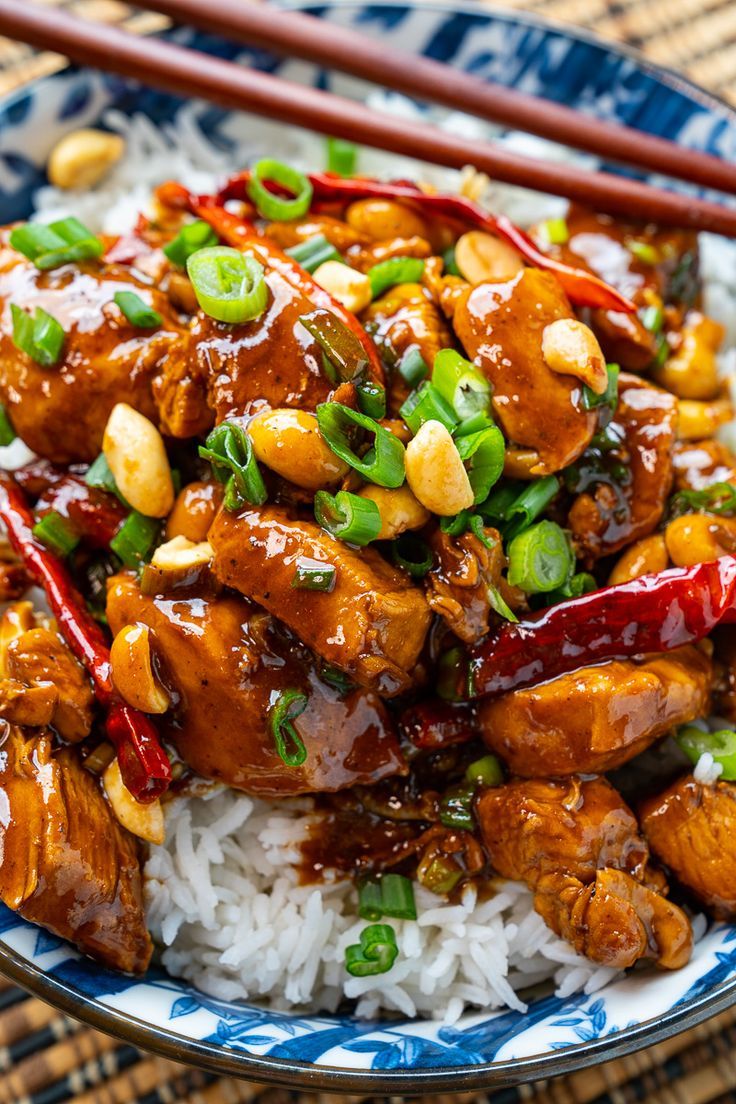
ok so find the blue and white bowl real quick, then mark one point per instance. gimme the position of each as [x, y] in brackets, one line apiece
[162, 1014]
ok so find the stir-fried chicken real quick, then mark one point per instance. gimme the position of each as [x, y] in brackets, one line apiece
[371, 625]
[500, 326]
[598, 717]
[577, 846]
[66, 862]
[38, 664]
[691, 828]
[228, 664]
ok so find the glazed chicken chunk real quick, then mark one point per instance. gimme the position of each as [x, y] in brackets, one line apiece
[66, 862]
[577, 846]
[691, 828]
[597, 718]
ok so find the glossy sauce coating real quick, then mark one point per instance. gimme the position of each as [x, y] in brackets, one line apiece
[66, 862]
[61, 411]
[227, 663]
[598, 717]
[500, 327]
[372, 624]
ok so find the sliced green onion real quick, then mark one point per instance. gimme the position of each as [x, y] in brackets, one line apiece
[448, 257]
[663, 351]
[439, 874]
[342, 156]
[717, 498]
[371, 399]
[7, 433]
[390, 895]
[192, 237]
[375, 954]
[427, 405]
[485, 772]
[285, 706]
[456, 808]
[461, 384]
[313, 252]
[555, 231]
[502, 499]
[230, 452]
[41, 337]
[643, 251]
[499, 605]
[395, 270]
[348, 516]
[56, 244]
[474, 424]
[477, 526]
[412, 554]
[579, 584]
[652, 319]
[230, 286]
[273, 206]
[336, 678]
[540, 558]
[312, 574]
[721, 745]
[370, 901]
[453, 675]
[135, 539]
[136, 311]
[57, 533]
[382, 464]
[609, 397]
[413, 367]
[457, 524]
[337, 342]
[100, 476]
[484, 454]
[529, 504]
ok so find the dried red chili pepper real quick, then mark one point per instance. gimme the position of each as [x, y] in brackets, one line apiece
[582, 288]
[144, 764]
[654, 613]
[241, 234]
[97, 516]
[432, 725]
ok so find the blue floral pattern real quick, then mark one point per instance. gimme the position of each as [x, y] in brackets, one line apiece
[516, 51]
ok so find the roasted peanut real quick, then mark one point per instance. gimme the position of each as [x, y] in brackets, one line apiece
[289, 442]
[82, 158]
[644, 557]
[349, 287]
[180, 555]
[399, 510]
[570, 348]
[145, 821]
[481, 257]
[698, 538]
[135, 451]
[698, 420]
[194, 511]
[380, 219]
[435, 472]
[16, 620]
[132, 670]
[692, 372]
[473, 184]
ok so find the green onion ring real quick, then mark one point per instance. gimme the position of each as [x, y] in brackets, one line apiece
[273, 206]
[230, 286]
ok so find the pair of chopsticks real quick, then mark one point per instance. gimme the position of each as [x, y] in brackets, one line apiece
[188, 72]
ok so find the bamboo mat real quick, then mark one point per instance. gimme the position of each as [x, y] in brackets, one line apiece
[48, 1058]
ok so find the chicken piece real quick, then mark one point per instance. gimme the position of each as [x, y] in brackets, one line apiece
[577, 845]
[700, 464]
[691, 372]
[227, 663]
[61, 412]
[371, 625]
[40, 661]
[620, 511]
[691, 828]
[194, 511]
[500, 326]
[66, 862]
[599, 717]
[463, 584]
[406, 318]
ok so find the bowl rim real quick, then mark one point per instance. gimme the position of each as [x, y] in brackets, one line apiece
[289, 1073]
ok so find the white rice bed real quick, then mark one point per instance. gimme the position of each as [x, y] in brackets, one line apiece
[223, 893]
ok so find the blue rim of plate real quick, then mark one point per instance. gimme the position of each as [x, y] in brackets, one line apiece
[290, 1073]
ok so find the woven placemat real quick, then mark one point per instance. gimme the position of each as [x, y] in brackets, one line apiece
[48, 1058]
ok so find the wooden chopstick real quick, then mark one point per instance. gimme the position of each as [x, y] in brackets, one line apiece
[295, 35]
[175, 69]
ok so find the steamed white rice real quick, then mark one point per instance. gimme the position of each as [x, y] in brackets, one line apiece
[223, 894]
